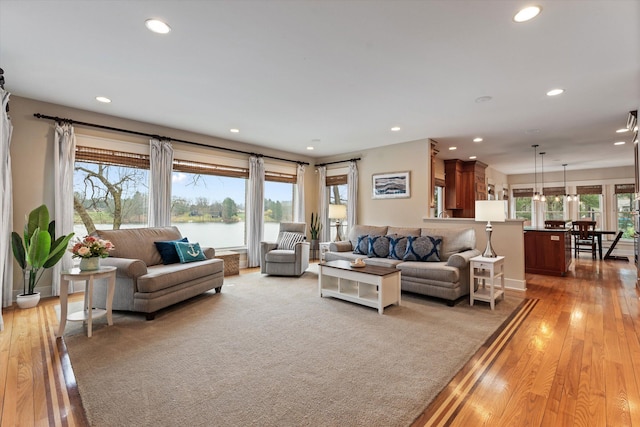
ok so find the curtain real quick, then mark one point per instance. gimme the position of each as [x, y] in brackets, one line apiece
[65, 149]
[352, 195]
[298, 214]
[160, 169]
[6, 206]
[255, 210]
[323, 205]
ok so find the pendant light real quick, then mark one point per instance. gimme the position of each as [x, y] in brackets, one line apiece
[566, 193]
[536, 196]
[543, 198]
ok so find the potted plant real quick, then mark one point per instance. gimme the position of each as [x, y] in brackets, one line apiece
[39, 250]
[315, 228]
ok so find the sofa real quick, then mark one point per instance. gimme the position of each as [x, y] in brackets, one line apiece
[144, 283]
[446, 273]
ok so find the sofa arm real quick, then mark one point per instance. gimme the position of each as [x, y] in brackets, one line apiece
[209, 253]
[340, 246]
[461, 259]
[126, 267]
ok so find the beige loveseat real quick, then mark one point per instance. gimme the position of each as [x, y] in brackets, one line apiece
[447, 279]
[143, 283]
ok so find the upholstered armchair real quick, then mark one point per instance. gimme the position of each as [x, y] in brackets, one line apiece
[289, 256]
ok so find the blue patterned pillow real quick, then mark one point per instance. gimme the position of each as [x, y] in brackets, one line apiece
[397, 246]
[362, 247]
[189, 252]
[423, 248]
[378, 246]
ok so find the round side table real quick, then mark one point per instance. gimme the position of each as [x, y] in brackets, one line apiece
[88, 313]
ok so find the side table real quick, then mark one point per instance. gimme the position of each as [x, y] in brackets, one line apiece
[231, 262]
[88, 313]
[486, 271]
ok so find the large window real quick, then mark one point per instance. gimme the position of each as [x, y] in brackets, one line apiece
[278, 207]
[110, 190]
[337, 191]
[590, 203]
[624, 198]
[522, 199]
[554, 206]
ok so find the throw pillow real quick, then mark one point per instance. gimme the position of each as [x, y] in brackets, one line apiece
[378, 246]
[423, 248]
[397, 246]
[287, 240]
[167, 250]
[362, 246]
[189, 252]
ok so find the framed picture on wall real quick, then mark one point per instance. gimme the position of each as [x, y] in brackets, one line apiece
[393, 185]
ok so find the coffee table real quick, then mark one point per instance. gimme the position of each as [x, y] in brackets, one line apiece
[371, 286]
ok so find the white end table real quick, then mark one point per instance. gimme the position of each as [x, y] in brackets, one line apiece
[483, 270]
[88, 313]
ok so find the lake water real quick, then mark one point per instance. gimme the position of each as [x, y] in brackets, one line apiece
[213, 234]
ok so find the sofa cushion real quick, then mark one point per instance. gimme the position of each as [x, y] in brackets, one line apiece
[137, 243]
[287, 240]
[167, 250]
[454, 240]
[423, 248]
[437, 271]
[189, 252]
[162, 276]
[397, 246]
[378, 246]
[362, 245]
[281, 255]
[361, 230]
[383, 262]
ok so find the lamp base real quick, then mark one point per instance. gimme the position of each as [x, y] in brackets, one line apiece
[338, 231]
[488, 251]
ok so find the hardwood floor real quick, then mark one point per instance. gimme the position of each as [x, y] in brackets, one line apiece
[571, 357]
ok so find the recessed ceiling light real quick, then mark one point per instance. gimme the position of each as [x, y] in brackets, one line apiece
[310, 148]
[157, 26]
[623, 130]
[472, 157]
[555, 92]
[483, 99]
[478, 139]
[103, 99]
[527, 13]
[234, 130]
[453, 148]
[619, 143]
[532, 131]
[395, 129]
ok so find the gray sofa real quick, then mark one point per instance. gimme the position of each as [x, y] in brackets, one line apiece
[447, 279]
[143, 283]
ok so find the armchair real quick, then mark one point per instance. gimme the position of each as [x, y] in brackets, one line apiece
[283, 258]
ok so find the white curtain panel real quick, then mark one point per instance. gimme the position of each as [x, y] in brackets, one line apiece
[65, 149]
[352, 195]
[255, 210]
[160, 170]
[323, 204]
[6, 207]
[298, 214]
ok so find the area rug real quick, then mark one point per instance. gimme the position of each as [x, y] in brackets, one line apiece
[269, 351]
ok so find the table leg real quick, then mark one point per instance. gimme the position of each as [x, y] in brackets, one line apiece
[88, 293]
[64, 290]
[600, 245]
[111, 291]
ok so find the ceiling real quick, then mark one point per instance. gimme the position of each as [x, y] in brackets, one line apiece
[338, 75]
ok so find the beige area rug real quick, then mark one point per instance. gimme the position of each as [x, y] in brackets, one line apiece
[268, 351]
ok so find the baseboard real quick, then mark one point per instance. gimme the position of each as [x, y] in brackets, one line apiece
[515, 286]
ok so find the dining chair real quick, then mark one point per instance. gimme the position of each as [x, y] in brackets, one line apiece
[584, 237]
[553, 223]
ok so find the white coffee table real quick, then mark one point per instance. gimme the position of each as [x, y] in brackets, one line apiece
[371, 286]
[88, 313]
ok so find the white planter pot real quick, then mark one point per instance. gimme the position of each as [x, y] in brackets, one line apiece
[28, 301]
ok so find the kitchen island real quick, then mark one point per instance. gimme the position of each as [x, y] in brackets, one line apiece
[547, 250]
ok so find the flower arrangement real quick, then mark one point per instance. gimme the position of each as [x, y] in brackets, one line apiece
[91, 247]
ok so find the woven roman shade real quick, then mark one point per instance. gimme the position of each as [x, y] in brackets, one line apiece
[589, 189]
[111, 157]
[336, 180]
[189, 166]
[280, 177]
[522, 192]
[554, 191]
[624, 188]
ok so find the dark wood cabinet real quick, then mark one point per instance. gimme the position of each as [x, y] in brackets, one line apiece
[547, 251]
[464, 184]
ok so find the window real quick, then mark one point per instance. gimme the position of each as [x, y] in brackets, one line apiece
[110, 190]
[278, 207]
[522, 199]
[554, 207]
[624, 199]
[438, 197]
[337, 190]
[590, 203]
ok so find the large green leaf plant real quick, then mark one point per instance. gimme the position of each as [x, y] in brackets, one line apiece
[40, 249]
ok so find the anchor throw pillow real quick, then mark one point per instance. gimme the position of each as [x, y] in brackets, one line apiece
[189, 252]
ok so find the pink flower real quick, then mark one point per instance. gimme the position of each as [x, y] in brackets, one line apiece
[83, 251]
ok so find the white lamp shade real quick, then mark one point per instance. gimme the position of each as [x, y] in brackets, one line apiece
[491, 210]
[338, 211]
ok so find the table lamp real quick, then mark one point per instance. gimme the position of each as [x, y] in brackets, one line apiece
[490, 210]
[338, 212]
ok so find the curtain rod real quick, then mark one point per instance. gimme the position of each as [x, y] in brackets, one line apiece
[337, 161]
[167, 138]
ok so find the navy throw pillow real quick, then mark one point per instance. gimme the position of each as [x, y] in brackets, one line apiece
[423, 248]
[362, 247]
[168, 252]
[397, 246]
[378, 246]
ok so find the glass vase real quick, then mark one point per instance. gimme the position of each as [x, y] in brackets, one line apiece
[89, 264]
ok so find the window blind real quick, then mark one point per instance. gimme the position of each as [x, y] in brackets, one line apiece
[336, 180]
[112, 157]
[589, 189]
[624, 188]
[522, 192]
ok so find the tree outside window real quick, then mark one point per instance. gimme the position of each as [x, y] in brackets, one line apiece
[590, 208]
[625, 219]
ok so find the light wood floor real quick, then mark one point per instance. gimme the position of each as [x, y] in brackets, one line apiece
[570, 357]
